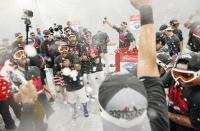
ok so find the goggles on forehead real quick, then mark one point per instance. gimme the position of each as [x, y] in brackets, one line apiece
[19, 55]
[62, 49]
[185, 76]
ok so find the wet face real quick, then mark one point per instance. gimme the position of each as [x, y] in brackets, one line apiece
[176, 24]
[168, 33]
[123, 27]
[19, 38]
[68, 32]
[195, 82]
[32, 37]
[88, 38]
[64, 54]
[72, 39]
[161, 70]
[47, 37]
[38, 30]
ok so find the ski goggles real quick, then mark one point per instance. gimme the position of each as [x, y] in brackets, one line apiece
[185, 76]
[19, 55]
[63, 49]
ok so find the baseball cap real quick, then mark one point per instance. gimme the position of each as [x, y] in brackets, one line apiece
[120, 110]
[67, 28]
[163, 59]
[191, 58]
[32, 33]
[160, 38]
[57, 37]
[165, 27]
[46, 32]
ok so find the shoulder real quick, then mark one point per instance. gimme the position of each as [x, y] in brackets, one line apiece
[194, 107]
[195, 95]
[151, 81]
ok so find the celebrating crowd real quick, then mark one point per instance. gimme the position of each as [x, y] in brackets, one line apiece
[162, 96]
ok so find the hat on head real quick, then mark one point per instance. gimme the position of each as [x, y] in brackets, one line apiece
[165, 27]
[46, 32]
[160, 38]
[191, 58]
[32, 33]
[163, 59]
[67, 28]
[123, 102]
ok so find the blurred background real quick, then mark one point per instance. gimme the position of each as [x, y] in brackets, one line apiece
[87, 13]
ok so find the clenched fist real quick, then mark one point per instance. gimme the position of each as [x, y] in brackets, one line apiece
[140, 3]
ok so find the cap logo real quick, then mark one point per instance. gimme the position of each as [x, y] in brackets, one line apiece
[128, 113]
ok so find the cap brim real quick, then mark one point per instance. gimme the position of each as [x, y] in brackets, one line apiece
[143, 126]
[169, 29]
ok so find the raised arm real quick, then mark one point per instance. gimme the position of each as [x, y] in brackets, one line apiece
[147, 48]
[109, 23]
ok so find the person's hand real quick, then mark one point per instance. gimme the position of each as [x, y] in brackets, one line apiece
[140, 3]
[53, 94]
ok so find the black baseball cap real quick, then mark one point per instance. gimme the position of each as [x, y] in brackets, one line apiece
[58, 37]
[160, 38]
[191, 58]
[32, 33]
[163, 59]
[165, 27]
[67, 29]
[123, 103]
[46, 32]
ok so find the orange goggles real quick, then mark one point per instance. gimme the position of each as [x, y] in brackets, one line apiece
[19, 55]
[63, 49]
[185, 76]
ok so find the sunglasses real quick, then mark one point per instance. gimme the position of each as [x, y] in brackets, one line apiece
[185, 76]
[46, 36]
[19, 55]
